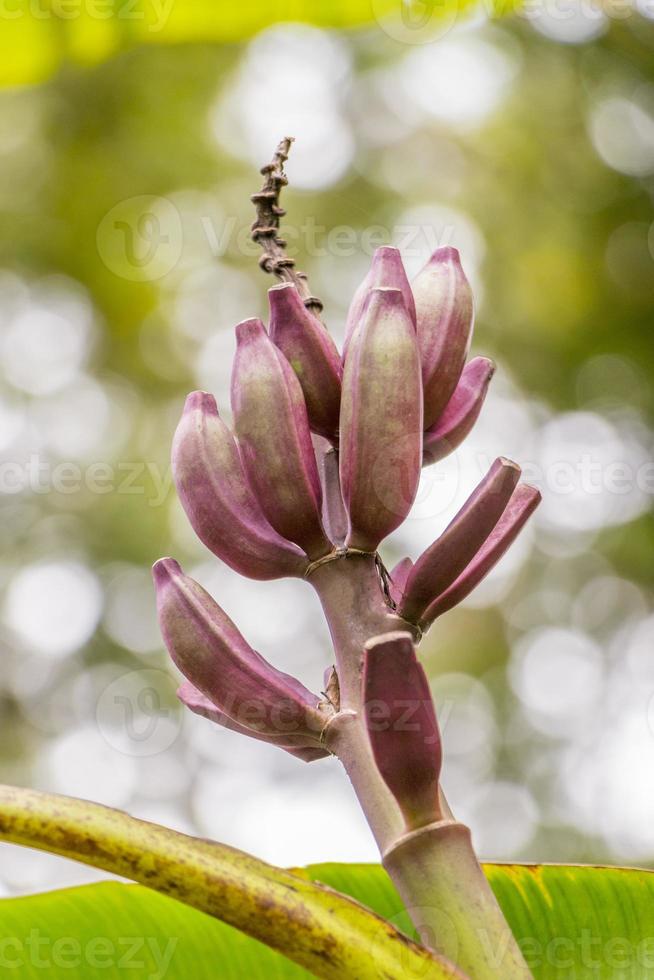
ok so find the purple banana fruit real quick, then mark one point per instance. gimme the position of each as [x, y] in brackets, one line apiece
[446, 558]
[334, 517]
[402, 726]
[215, 493]
[521, 506]
[272, 429]
[460, 413]
[199, 704]
[386, 270]
[213, 655]
[444, 316]
[381, 421]
[311, 352]
[397, 579]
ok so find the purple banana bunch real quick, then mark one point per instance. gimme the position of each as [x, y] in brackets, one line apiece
[323, 463]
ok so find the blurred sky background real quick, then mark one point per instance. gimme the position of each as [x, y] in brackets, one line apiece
[125, 175]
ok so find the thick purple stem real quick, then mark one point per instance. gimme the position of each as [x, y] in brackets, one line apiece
[435, 869]
[355, 609]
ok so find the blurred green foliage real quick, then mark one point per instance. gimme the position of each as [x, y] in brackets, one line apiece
[40, 36]
[563, 253]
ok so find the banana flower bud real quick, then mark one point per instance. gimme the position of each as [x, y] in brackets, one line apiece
[447, 557]
[460, 413]
[272, 429]
[381, 421]
[196, 702]
[402, 726]
[215, 493]
[213, 655]
[386, 270]
[312, 354]
[521, 506]
[444, 315]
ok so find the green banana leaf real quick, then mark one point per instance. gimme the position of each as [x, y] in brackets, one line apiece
[574, 923]
[39, 36]
[310, 924]
[111, 931]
